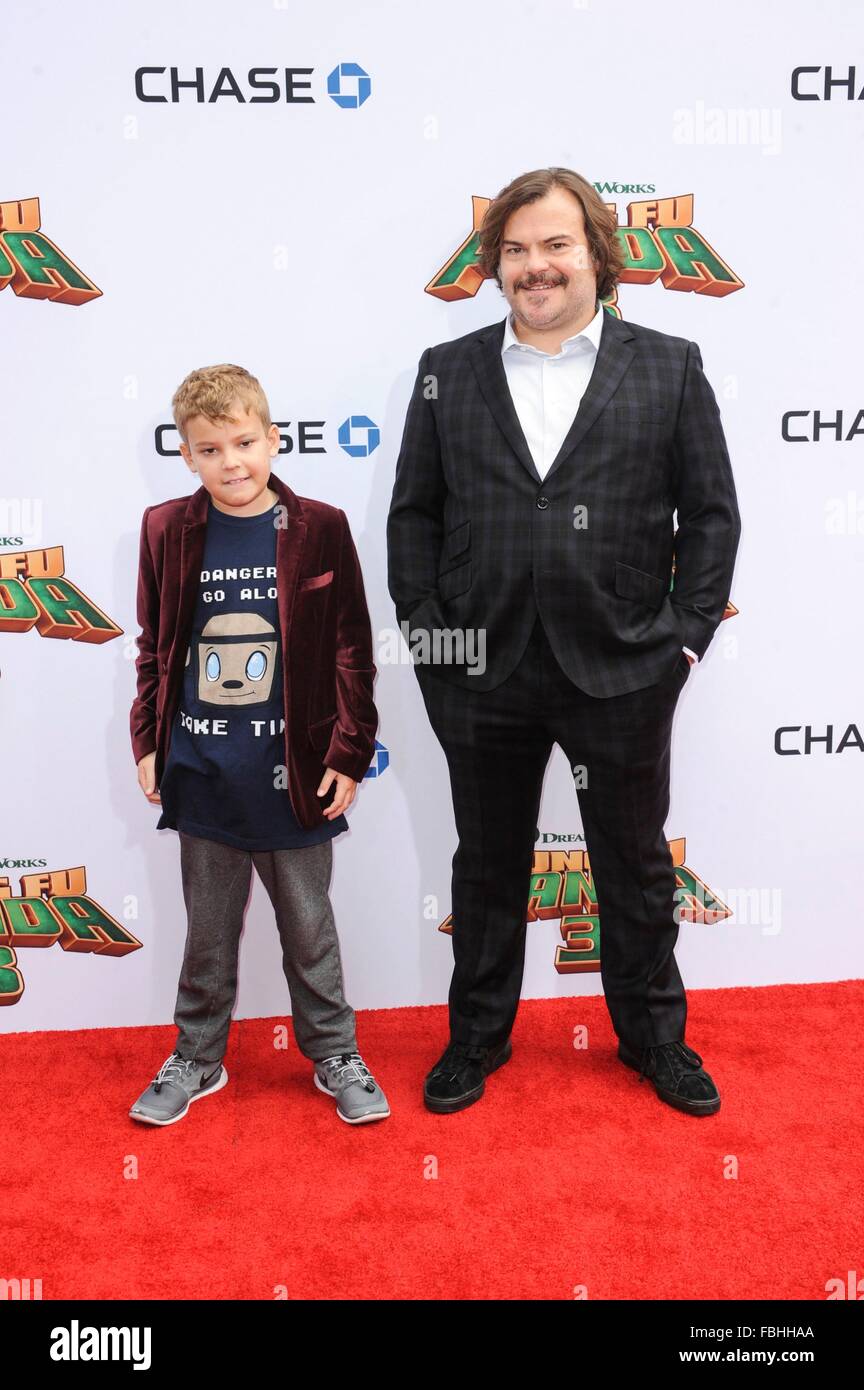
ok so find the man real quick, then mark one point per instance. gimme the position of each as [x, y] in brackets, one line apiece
[542, 461]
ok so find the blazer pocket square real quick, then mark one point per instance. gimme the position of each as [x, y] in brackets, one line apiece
[317, 581]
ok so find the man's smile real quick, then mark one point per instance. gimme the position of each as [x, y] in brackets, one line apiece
[543, 284]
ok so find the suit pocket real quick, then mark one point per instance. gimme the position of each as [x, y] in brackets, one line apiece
[321, 731]
[638, 585]
[316, 581]
[637, 412]
[455, 581]
[457, 540]
[455, 578]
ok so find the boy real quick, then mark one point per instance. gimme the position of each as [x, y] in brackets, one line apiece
[255, 678]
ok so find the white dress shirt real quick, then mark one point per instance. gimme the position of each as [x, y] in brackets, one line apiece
[547, 388]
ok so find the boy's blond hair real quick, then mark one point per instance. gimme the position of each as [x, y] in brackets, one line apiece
[213, 391]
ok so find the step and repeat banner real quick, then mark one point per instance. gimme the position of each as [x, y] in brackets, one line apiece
[298, 190]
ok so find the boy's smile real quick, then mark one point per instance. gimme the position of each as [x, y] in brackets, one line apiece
[232, 458]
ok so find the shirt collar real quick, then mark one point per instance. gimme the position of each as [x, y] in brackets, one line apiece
[591, 333]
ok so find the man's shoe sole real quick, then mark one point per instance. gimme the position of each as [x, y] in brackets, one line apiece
[360, 1119]
[690, 1107]
[448, 1107]
[199, 1095]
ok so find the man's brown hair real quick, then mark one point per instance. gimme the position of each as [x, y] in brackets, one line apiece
[212, 391]
[601, 223]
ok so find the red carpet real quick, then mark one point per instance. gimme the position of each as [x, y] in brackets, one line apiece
[568, 1172]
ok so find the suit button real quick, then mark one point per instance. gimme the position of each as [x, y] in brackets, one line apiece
[542, 503]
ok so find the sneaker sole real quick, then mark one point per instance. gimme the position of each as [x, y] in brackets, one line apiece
[690, 1107]
[449, 1107]
[360, 1119]
[199, 1095]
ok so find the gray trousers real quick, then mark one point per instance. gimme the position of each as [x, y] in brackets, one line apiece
[216, 883]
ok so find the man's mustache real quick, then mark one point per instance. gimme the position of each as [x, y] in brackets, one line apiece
[532, 284]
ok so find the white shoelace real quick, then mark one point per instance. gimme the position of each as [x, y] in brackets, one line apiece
[176, 1064]
[347, 1067]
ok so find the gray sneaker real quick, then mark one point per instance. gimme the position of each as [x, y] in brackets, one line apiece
[359, 1098]
[176, 1084]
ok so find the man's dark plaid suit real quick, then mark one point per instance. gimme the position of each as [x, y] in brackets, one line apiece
[570, 577]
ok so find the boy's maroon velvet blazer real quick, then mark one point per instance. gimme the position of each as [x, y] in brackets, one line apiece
[330, 716]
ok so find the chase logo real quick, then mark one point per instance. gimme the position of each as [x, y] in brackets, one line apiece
[348, 85]
[368, 432]
[380, 762]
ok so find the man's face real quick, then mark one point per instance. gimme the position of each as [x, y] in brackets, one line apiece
[232, 459]
[546, 271]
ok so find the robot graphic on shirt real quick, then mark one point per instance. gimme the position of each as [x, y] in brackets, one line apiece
[236, 659]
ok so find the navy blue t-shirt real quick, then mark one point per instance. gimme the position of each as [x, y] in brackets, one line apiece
[224, 777]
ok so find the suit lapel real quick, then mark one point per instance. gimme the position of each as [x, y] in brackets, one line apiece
[492, 380]
[614, 356]
[191, 555]
[290, 543]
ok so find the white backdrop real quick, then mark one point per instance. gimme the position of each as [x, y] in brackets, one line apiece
[297, 240]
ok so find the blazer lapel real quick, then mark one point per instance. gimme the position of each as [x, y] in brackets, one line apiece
[191, 555]
[492, 380]
[613, 358]
[290, 542]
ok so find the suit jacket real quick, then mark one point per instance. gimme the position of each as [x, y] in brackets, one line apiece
[330, 717]
[476, 540]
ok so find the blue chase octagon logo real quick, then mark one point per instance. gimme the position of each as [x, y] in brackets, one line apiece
[359, 436]
[349, 85]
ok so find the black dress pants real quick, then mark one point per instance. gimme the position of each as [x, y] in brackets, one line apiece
[497, 744]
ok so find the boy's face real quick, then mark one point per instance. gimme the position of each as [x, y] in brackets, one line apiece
[232, 459]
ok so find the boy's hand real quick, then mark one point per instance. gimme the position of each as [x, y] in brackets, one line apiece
[147, 778]
[345, 789]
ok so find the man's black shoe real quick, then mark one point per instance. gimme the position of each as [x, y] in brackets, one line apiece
[677, 1073]
[458, 1078]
